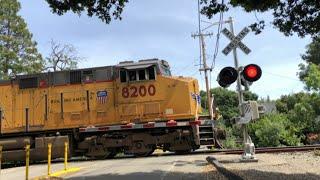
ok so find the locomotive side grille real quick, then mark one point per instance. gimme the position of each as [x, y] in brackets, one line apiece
[75, 77]
[28, 83]
[152, 108]
[129, 110]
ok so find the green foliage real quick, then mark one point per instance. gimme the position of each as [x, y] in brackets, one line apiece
[310, 72]
[288, 16]
[18, 53]
[231, 141]
[312, 54]
[312, 77]
[302, 109]
[274, 130]
[226, 101]
[103, 9]
[232, 133]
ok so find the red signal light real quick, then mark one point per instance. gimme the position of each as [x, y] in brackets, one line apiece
[252, 72]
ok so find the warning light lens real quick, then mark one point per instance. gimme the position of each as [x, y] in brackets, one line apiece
[252, 72]
[227, 76]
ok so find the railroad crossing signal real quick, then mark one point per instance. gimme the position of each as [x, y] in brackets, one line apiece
[236, 41]
[249, 74]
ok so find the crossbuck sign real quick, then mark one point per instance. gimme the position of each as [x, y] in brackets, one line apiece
[236, 41]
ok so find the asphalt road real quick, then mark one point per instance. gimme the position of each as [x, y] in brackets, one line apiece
[154, 168]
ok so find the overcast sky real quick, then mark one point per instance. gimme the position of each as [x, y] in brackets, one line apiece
[162, 29]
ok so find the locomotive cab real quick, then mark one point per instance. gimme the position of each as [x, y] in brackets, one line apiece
[146, 91]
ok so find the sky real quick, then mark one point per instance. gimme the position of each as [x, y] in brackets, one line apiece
[162, 29]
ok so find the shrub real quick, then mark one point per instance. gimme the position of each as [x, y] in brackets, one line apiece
[274, 130]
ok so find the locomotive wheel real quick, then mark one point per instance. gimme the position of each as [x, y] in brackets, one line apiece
[140, 149]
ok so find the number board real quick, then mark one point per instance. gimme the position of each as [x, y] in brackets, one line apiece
[138, 91]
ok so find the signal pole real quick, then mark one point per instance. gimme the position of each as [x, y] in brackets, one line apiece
[236, 65]
[205, 68]
[248, 145]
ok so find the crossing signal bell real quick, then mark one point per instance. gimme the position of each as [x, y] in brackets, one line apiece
[249, 74]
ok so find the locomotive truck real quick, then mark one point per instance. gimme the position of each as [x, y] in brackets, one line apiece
[131, 107]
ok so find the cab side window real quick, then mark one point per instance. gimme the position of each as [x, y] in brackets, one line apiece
[123, 76]
[151, 73]
[132, 75]
[142, 74]
[137, 74]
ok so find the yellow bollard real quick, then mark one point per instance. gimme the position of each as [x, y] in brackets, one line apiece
[65, 155]
[49, 159]
[27, 160]
[0, 159]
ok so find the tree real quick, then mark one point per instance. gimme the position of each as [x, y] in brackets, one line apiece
[310, 71]
[274, 130]
[104, 9]
[289, 16]
[226, 101]
[18, 53]
[311, 77]
[62, 56]
[302, 110]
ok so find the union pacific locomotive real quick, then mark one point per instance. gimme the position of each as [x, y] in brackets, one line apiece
[132, 107]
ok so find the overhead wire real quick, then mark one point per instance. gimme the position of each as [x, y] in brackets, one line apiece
[199, 29]
[216, 50]
[282, 76]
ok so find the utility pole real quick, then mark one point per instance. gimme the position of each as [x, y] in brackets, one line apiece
[205, 68]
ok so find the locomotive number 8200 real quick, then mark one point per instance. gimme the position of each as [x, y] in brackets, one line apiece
[134, 91]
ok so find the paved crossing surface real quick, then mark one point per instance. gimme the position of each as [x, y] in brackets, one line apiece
[155, 167]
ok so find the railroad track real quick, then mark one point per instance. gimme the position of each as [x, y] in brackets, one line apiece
[219, 151]
[274, 149]
[257, 150]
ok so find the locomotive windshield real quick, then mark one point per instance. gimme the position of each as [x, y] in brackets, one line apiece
[143, 70]
[166, 70]
[138, 74]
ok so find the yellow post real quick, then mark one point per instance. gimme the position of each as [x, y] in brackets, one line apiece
[27, 160]
[0, 159]
[49, 158]
[65, 155]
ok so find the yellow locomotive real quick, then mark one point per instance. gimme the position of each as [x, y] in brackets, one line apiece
[132, 107]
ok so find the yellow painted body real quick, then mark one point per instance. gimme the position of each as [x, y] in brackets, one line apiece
[171, 100]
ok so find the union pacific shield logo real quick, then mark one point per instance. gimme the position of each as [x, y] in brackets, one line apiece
[102, 97]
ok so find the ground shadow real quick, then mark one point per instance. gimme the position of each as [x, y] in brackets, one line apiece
[212, 174]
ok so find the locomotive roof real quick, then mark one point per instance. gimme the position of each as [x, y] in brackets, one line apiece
[141, 63]
[124, 64]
